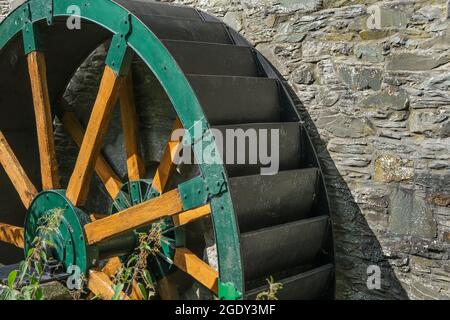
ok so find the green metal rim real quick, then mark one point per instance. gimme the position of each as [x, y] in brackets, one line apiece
[145, 44]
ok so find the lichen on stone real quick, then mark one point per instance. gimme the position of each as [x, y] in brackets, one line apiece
[389, 168]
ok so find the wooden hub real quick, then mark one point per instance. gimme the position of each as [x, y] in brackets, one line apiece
[65, 242]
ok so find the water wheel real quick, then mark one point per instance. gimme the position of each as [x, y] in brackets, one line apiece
[264, 225]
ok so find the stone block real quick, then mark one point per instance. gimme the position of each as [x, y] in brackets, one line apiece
[343, 126]
[428, 13]
[302, 5]
[410, 215]
[303, 74]
[421, 121]
[415, 62]
[360, 77]
[442, 200]
[445, 130]
[375, 34]
[391, 168]
[369, 53]
[397, 101]
[317, 50]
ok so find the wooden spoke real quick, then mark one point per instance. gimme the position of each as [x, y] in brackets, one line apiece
[112, 267]
[191, 215]
[130, 130]
[166, 165]
[100, 284]
[44, 120]
[197, 268]
[16, 173]
[102, 168]
[98, 216]
[166, 205]
[11, 234]
[107, 97]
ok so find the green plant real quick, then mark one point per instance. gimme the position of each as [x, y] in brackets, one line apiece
[24, 284]
[134, 273]
[271, 293]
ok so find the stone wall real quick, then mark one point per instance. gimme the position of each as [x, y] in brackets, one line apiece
[377, 104]
[4, 7]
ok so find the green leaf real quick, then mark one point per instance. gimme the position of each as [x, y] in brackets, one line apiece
[143, 291]
[34, 281]
[30, 252]
[43, 256]
[12, 278]
[39, 295]
[127, 273]
[23, 268]
[147, 278]
[26, 293]
[39, 268]
[117, 291]
[131, 260]
[8, 294]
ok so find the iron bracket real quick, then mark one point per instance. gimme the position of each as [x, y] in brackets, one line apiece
[49, 12]
[31, 37]
[136, 192]
[199, 191]
[119, 55]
